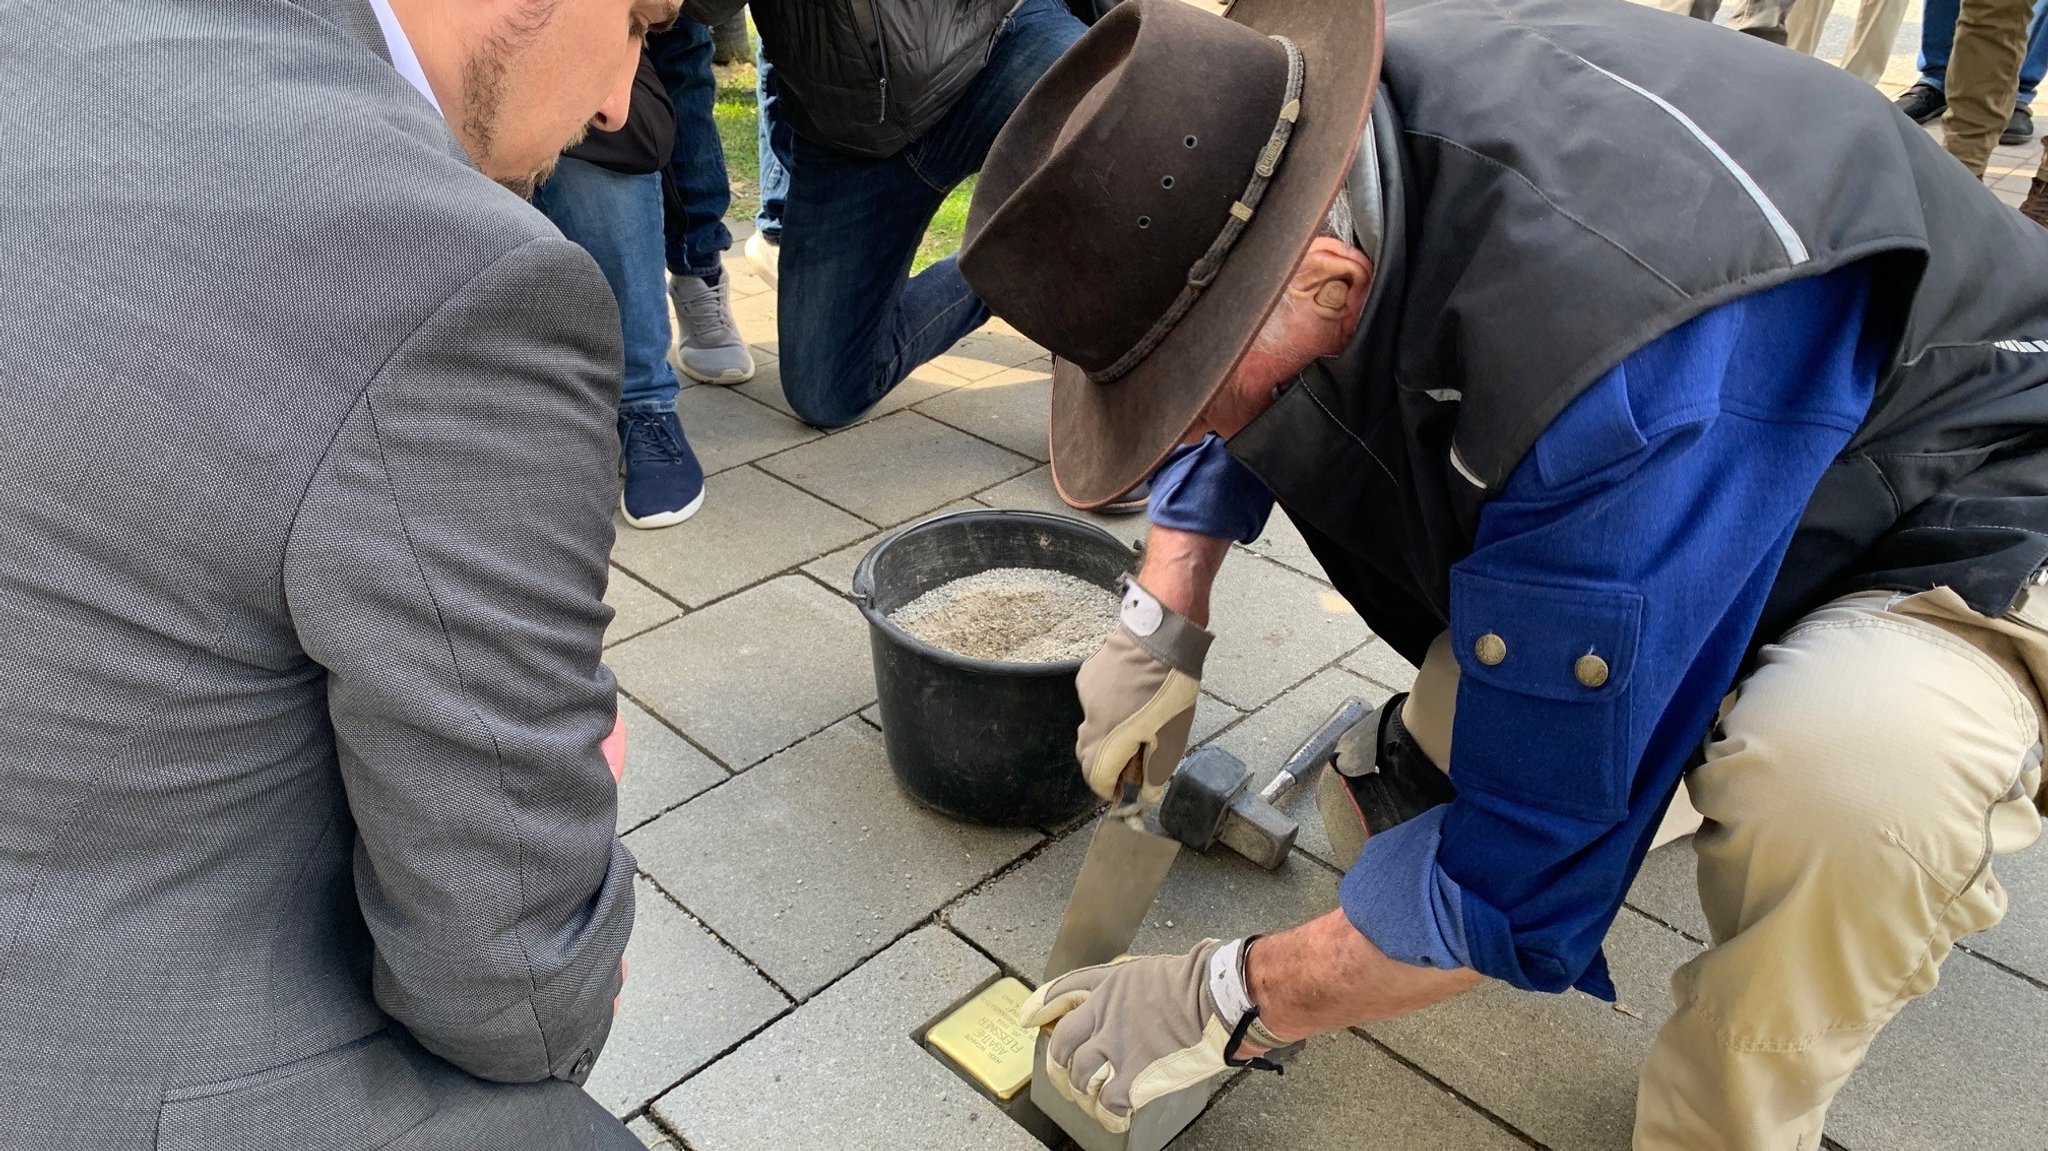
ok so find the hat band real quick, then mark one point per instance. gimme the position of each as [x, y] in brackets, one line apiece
[1205, 269]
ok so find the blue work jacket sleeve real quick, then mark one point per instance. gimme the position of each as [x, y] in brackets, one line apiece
[1613, 587]
[1204, 489]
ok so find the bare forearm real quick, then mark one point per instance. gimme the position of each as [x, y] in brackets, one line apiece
[1179, 569]
[1324, 975]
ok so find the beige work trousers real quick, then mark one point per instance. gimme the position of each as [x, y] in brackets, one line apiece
[1800, 23]
[1870, 43]
[1984, 78]
[1856, 789]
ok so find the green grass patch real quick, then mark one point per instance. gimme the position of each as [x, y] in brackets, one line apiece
[738, 118]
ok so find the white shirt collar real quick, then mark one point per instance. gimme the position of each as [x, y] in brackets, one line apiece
[402, 57]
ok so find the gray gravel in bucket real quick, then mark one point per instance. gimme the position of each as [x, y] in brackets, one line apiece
[1013, 615]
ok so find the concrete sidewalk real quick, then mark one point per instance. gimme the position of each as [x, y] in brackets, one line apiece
[800, 918]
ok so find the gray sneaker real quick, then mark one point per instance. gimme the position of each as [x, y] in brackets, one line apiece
[711, 350]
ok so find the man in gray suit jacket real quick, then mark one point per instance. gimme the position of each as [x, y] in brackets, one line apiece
[307, 462]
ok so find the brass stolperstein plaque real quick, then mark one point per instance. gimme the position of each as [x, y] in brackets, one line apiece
[983, 1040]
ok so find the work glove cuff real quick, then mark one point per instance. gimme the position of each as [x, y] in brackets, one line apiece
[1163, 633]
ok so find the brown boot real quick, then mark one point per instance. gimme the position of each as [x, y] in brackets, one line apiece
[2035, 206]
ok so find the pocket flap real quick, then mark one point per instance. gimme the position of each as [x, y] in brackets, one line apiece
[1550, 641]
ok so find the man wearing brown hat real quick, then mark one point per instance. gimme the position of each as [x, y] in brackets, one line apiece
[1661, 449]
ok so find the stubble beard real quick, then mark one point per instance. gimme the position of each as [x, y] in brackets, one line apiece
[483, 82]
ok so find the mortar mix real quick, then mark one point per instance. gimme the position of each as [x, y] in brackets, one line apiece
[1013, 615]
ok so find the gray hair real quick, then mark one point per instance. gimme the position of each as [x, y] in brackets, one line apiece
[1338, 225]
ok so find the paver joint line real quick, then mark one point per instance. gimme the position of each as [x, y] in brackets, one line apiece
[680, 734]
[737, 953]
[2008, 968]
[1423, 1073]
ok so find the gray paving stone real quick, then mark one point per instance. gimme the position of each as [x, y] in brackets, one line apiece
[1206, 896]
[651, 1136]
[1033, 491]
[635, 606]
[745, 283]
[1960, 1067]
[755, 316]
[836, 569]
[1010, 407]
[1382, 665]
[727, 429]
[754, 673]
[1268, 736]
[752, 526]
[1211, 716]
[815, 860]
[983, 353]
[842, 1072]
[921, 385]
[685, 1000]
[1281, 542]
[896, 467]
[1562, 1068]
[1668, 889]
[1339, 1095]
[1274, 627]
[662, 769]
[2021, 940]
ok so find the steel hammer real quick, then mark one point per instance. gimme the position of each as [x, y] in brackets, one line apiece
[1209, 798]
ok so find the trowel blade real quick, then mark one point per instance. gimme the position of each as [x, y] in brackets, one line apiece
[1120, 878]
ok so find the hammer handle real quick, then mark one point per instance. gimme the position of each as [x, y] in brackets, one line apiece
[1316, 750]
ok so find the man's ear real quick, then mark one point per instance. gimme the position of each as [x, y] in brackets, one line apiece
[1332, 280]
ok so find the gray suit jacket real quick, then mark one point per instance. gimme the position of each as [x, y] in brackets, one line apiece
[307, 460]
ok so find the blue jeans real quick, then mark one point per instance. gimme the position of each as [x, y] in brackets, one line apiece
[772, 144]
[853, 322]
[694, 181]
[1938, 36]
[615, 218]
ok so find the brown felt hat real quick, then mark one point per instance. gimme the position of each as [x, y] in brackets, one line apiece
[1146, 204]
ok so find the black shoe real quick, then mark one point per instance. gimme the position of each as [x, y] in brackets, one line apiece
[1923, 103]
[2019, 129]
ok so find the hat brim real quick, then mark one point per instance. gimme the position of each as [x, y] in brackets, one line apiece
[1107, 438]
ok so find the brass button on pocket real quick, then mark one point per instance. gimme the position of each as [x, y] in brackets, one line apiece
[1590, 669]
[1490, 650]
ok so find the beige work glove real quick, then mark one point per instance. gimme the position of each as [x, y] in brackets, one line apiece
[1138, 695]
[1131, 1031]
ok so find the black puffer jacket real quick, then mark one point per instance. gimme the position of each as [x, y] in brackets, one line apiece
[868, 76]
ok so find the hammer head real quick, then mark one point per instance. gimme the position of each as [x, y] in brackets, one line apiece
[1208, 799]
[1198, 796]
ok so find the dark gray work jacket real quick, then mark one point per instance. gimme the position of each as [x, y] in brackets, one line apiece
[1566, 181]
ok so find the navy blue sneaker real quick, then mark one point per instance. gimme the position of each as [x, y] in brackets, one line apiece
[664, 482]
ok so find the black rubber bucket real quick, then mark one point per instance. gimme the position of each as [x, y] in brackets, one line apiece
[977, 739]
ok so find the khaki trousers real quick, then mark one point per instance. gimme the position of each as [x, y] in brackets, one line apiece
[1984, 78]
[1856, 790]
[1870, 44]
[1753, 16]
[1798, 23]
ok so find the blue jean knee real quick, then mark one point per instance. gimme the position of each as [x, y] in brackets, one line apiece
[853, 322]
[617, 219]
